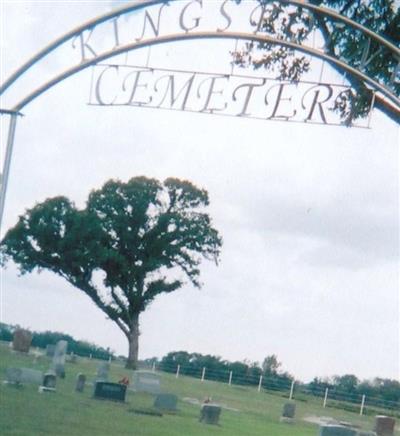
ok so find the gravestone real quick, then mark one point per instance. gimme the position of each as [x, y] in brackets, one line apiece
[366, 433]
[336, 430]
[13, 376]
[102, 372]
[384, 425]
[146, 381]
[49, 383]
[50, 350]
[49, 380]
[60, 352]
[80, 382]
[166, 402]
[210, 413]
[110, 391]
[22, 340]
[289, 410]
[23, 375]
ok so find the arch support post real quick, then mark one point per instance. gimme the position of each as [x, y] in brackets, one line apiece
[7, 162]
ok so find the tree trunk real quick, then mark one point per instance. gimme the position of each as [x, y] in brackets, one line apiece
[133, 340]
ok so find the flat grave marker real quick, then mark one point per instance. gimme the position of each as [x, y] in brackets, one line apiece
[336, 430]
[23, 376]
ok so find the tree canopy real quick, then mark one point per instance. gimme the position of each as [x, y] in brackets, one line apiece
[132, 242]
[297, 24]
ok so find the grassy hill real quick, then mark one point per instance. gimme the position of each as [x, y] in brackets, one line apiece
[25, 412]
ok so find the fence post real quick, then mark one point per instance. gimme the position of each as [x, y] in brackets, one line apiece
[177, 371]
[362, 405]
[325, 398]
[260, 383]
[203, 374]
[291, 390]
[230, 378]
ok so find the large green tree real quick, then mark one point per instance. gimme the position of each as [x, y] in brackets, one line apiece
[132, 242]
[283, 21]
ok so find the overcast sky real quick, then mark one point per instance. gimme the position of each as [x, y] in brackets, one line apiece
[309, 215]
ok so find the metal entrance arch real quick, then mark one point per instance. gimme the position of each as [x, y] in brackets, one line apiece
[152, 20]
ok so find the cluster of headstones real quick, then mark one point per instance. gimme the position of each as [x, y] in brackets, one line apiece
[22, 340]
[149, 382]
[143, 381]
[384, 426]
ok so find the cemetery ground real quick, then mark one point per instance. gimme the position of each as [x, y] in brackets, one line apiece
[25, 412]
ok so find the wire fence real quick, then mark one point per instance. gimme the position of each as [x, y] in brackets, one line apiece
[360, 403]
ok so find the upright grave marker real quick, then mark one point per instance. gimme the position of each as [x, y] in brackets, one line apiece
[60, 352]
[49, 383]
[80, 382]
[50, 348]
[102, 372]
[210, 413]
[147, 381]
[22, 340]
[166, 402]
[288, 412]
[384, 425]
[110, 391]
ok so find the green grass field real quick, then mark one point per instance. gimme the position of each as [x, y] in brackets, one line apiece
[23, 411]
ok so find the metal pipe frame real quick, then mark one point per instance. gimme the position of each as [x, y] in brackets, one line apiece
[208, 35]
[141, 4]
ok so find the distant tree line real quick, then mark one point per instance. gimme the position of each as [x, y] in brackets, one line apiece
[379, 392]
[42, 339]
[217, 369]
[349, 387]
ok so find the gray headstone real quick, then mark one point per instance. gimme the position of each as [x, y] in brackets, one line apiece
[50, 348]
[102, 371]
[60, 353]
[110, 391]
[289, 410]
[210, 413]
[49, 380]
[336, 430]
[366, 433]
[166, 402]
[146, 381]
[80, 382]
[384, 425]
[24, 375]
[22, 340]
[14, 375]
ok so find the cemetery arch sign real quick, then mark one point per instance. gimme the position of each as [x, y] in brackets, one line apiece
[153, 21]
